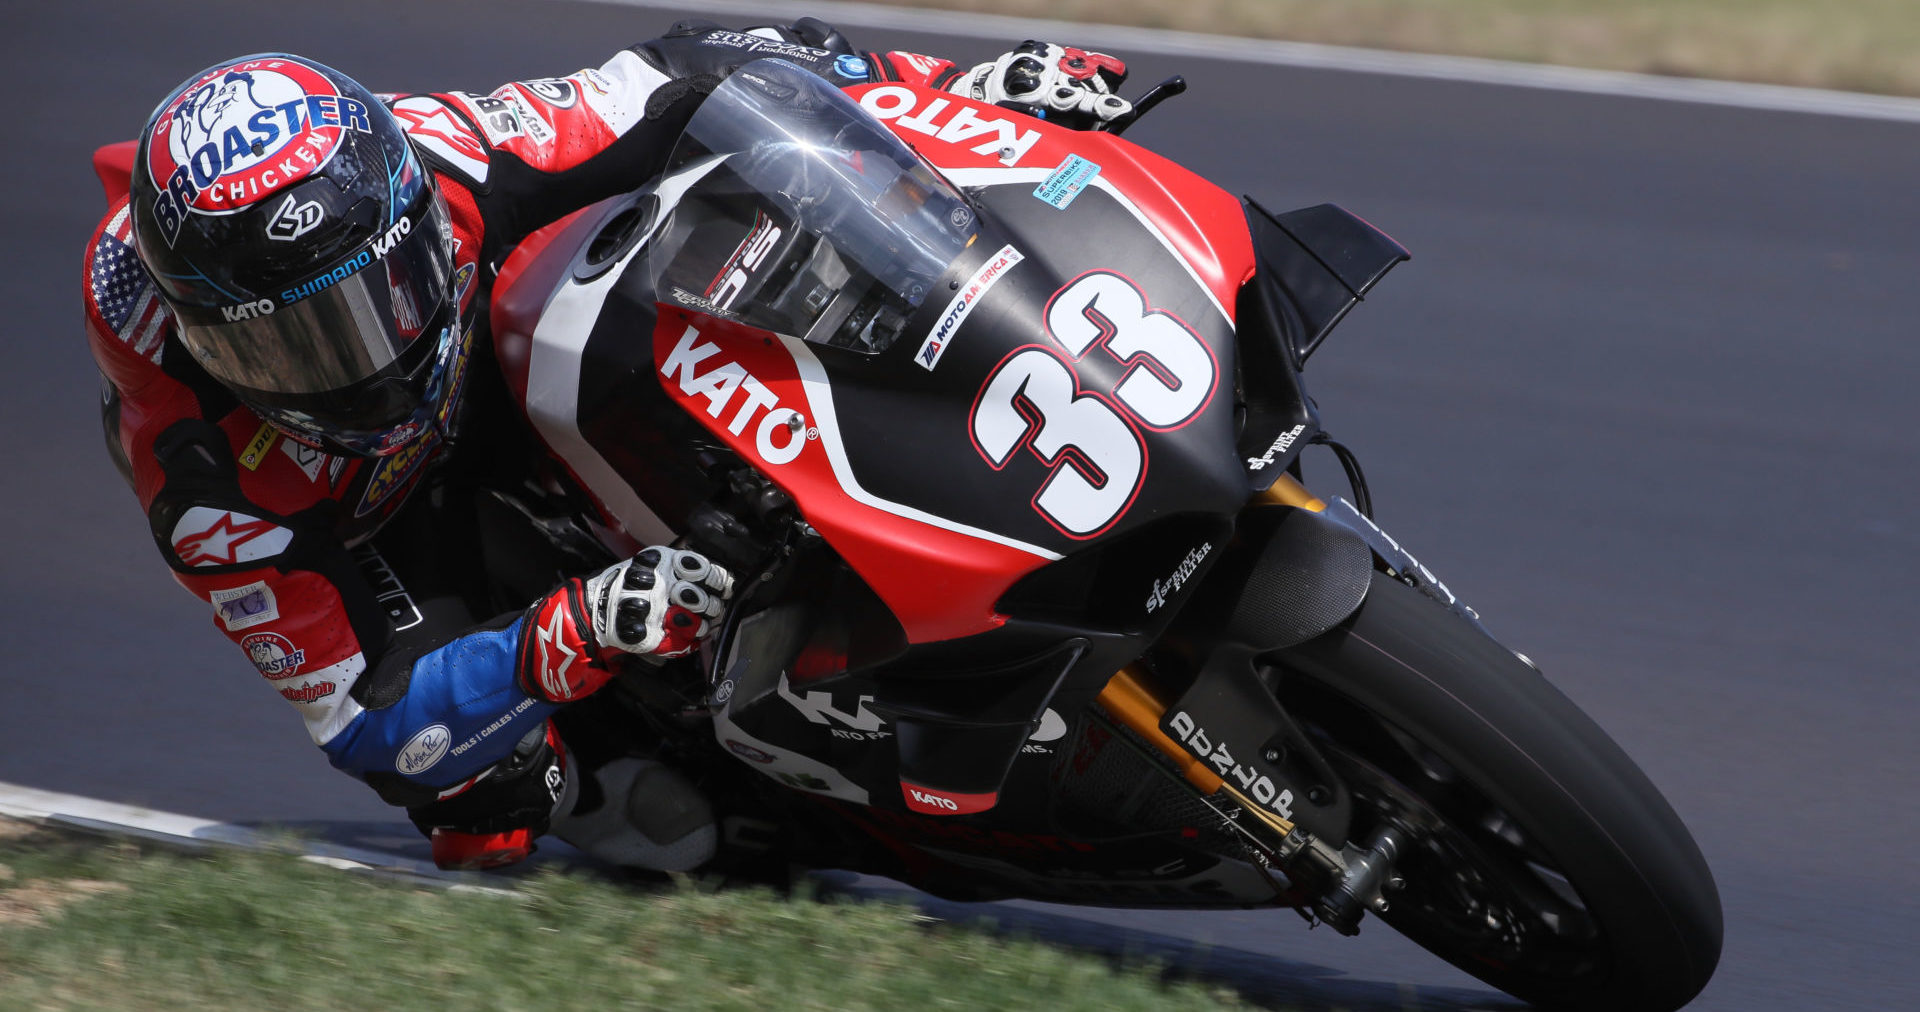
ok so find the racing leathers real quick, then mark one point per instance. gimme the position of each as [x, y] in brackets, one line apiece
[386, 598]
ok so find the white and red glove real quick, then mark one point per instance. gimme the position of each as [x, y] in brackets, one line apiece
[1074, 86]
[659, 604]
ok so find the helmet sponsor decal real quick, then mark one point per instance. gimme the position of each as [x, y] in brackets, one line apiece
[395, 471]
[426, 747]
[204, 536]
[273, 654]
[242, 131]
[244, 607]
[374, 253]
[292, 220]
[462, 280]
[455, 381]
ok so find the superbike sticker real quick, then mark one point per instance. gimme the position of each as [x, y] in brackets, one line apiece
[1065, 183]
[242, 131]
[962, 304]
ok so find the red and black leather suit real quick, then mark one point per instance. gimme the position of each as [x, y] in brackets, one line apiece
[385, 597]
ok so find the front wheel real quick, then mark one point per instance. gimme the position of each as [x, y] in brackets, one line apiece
[1539, 858]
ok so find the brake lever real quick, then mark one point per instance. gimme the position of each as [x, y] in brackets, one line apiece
[1155, 95]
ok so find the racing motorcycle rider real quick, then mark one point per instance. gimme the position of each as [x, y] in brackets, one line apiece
[290, 308]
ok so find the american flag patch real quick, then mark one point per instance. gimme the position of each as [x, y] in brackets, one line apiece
[128, 300]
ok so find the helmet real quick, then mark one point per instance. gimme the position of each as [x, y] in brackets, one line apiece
[304, 250]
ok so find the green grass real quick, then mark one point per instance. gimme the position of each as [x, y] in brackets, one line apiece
[249, 931]
[1859, 45]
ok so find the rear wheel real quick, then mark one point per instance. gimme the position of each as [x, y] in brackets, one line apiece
[1539, 858]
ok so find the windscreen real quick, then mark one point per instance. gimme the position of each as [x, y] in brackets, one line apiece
[804, 215]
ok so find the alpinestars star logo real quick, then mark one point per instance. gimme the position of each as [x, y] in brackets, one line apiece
[220, 544]
[552, 637]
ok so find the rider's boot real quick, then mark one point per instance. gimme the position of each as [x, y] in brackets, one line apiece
[640, 813]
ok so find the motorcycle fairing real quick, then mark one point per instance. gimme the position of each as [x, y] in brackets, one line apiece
[1201, 223]
[913, 434]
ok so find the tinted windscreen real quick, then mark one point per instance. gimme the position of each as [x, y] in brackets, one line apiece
[804, 215]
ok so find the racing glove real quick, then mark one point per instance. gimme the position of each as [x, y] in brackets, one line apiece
[657, 605]
[1073, 86]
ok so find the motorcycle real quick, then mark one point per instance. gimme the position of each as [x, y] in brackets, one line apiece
[999, 424]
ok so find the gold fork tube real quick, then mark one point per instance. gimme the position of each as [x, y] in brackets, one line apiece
[1288, 492]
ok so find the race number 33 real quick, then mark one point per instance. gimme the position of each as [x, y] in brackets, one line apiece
[1090, 441]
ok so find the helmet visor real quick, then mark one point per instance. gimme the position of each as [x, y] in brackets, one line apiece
[338, 328]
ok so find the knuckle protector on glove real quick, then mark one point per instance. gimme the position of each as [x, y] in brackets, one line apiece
[658, 602]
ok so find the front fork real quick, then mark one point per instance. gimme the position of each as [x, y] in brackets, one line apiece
[1341, 887]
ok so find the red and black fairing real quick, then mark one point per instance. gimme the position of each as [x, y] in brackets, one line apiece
[897, 650]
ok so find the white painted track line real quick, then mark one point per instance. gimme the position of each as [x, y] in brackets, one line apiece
[70, 810]
[1124, 41]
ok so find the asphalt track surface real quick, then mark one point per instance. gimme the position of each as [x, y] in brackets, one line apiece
[1643, 397]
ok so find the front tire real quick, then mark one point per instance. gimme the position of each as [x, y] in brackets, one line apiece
[1544, 862]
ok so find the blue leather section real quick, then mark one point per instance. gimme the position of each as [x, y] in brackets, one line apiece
[462, 712]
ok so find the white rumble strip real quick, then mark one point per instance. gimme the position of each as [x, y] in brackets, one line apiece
[72, 811]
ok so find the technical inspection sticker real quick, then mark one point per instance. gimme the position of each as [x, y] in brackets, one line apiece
[1065, 182]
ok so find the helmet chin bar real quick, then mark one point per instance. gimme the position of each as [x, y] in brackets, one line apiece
[440, 380]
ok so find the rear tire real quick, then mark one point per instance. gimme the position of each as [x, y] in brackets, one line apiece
[1546, 864]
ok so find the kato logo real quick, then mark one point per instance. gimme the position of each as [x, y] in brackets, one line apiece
[244, 130]
[781, 434]
[951, 121]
